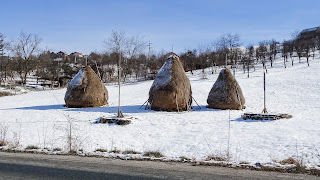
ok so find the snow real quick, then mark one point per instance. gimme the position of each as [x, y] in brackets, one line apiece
[40, 118]
[78, 79]
[164, 74]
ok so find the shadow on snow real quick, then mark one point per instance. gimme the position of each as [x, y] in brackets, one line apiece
[111, 109]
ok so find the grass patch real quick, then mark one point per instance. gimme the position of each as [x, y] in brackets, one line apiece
[101, 150]
[32, 147]
[131, 152]
[156, 154]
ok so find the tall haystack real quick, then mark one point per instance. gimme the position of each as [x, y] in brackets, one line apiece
[171, 88]
[226, 93]
[86, 90]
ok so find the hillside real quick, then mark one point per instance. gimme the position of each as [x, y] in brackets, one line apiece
[40, 119]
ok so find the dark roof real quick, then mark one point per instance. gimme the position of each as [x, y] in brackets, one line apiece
[310, 29]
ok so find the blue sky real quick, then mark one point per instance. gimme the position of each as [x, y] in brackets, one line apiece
[82, 26]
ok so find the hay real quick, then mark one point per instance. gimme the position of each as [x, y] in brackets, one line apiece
[226, 93]
[86, 90]
[171, 89]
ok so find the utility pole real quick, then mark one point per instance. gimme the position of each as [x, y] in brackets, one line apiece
[149, 45]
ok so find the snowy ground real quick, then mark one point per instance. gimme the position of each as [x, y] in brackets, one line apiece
[40, 118]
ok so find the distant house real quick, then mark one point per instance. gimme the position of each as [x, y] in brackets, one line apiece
[76, 55]
[62, 54]
[310, 33]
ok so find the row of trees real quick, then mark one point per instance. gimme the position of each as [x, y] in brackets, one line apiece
[24, 56]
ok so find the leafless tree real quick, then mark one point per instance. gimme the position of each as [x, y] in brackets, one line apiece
[272, 50]
[25, 50]
[126, 47]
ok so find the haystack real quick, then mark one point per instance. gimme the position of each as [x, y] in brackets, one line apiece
[171, 88]
[226, 93]
[86, 90]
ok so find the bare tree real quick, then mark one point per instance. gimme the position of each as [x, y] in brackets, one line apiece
[272, 50]
[25, 50]
[261, 53]
[126, 47]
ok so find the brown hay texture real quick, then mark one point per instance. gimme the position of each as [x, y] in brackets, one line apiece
[226, 93]
[86, 90]
[171, 89]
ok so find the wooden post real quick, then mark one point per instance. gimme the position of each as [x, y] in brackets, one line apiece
[264, 92]
[119, 114]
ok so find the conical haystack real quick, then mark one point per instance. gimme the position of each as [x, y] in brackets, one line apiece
[226, 93]
[171, 88]
[86, 90]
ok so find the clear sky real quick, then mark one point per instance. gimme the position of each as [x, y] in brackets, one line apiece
[79, 25]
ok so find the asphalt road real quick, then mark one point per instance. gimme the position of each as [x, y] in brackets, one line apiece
[45, 167]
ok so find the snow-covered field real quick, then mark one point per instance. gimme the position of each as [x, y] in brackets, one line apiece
[40, 118]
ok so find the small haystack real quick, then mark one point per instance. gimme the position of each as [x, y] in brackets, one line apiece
[86, 90]
[171, 88]
[226, 93]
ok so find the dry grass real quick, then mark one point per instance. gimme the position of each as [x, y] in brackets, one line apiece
[155, 154]
[101, 150]
[289, 160]
[5, 94]
[131, 152]
[32, 147]
[3, 143]
[216, 158]
[57, 149]
[115, 151]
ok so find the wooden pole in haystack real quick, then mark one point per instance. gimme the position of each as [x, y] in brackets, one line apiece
[264, 92]
[119, 114]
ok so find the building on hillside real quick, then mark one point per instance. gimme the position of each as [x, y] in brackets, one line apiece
[310, 33]
[75, 55]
